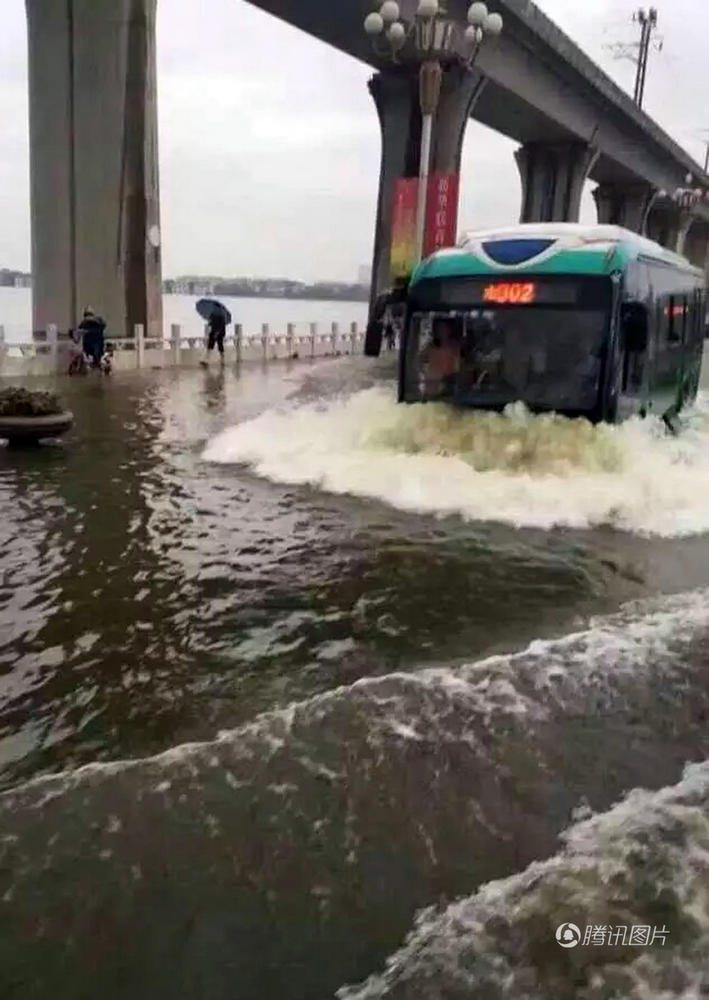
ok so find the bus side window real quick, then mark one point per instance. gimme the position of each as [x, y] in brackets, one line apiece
[669, 324]
[694, 323]
[700, 320]
[690, 319]
[676, 312]
[634, 327]
[702, 326]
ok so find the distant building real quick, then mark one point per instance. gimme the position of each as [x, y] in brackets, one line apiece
[14, 279]
[277, 288]
[364, 275]
[190, 284]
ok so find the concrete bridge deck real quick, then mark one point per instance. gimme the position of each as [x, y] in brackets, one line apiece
[542, 88]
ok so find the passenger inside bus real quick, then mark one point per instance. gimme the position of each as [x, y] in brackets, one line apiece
[441, 358]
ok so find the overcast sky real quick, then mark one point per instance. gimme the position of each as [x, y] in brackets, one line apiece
[269, 142]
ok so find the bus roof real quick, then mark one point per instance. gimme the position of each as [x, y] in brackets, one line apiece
[547, 248]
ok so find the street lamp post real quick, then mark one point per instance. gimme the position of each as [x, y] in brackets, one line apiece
[430, 75]
[687, 199]
[432, 40]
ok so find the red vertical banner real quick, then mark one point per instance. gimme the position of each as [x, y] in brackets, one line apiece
[441, 212]
[403, 227]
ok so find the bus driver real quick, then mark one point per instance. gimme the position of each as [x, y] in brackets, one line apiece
[441, 358]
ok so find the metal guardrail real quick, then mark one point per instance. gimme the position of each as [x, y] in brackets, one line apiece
[52, 353]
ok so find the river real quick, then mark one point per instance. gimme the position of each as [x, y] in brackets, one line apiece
[282, 664]
[16, 314]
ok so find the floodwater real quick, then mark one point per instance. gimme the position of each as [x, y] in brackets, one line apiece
[332, 664]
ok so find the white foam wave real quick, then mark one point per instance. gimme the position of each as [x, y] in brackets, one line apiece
[526, 470]
[645, 638]
[643, 863]
[444, 768]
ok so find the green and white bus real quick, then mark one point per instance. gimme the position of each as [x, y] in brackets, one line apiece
[591, 321]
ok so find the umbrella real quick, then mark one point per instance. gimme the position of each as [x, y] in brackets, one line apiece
[208, 307]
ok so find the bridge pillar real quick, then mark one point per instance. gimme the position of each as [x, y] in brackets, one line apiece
[669, 225]
[93, 163]
[696, 246]
[625, 205]
[682, 225]
[395, 94]
[553, 175]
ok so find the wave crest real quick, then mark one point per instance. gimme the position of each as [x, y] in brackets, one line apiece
[644, 863]
[527, 470]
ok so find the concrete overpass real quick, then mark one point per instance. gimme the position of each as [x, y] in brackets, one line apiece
[93, 214]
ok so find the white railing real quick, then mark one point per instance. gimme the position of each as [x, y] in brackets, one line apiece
[41, 357]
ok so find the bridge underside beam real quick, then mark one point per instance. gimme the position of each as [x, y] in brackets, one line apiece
[93, 163]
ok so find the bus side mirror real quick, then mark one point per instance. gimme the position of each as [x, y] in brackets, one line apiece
[373, 338]
[634, 326]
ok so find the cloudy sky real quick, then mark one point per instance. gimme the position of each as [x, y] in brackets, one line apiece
[269, 143]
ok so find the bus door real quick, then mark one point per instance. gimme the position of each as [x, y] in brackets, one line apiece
[634, 345]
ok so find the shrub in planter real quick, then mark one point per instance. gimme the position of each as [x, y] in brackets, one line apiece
[27, 417]
[23, 403]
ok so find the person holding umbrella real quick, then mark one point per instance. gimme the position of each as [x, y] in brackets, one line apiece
[218, 317]
[215, 336]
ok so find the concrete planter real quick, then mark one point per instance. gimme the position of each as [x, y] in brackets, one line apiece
[32, 430]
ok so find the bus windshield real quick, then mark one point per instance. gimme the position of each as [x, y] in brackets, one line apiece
[548, 357]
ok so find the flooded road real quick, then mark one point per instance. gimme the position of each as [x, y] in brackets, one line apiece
[337, 586]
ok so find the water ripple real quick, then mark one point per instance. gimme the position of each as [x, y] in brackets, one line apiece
[148, 597]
